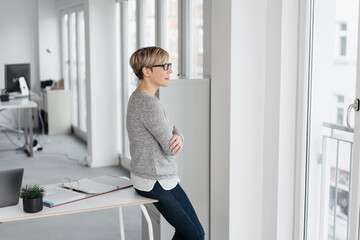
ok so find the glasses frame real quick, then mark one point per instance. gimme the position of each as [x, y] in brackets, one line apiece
[165, 66]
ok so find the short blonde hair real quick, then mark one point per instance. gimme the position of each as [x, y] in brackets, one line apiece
[146, 57]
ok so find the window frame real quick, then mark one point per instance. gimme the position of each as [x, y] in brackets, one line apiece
[124, 84]
[305, 34]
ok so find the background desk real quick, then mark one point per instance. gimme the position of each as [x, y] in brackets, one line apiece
[116, 199]
[27, 105]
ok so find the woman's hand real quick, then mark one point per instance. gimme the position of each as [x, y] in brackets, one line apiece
[176, 143]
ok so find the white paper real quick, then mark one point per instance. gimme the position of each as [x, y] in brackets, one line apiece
[55, 195]
[113, 181]
[98, 185]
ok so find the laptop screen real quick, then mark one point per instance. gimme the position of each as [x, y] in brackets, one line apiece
[10, 184]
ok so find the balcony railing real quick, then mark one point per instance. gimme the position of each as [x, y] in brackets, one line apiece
[335, 160]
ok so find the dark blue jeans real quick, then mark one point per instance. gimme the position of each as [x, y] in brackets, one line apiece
[176, 208]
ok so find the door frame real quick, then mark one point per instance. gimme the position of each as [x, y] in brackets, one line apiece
[301, 126]
[74, 9]
[354, 213]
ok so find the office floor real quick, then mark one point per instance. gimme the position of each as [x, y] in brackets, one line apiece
[63, 156]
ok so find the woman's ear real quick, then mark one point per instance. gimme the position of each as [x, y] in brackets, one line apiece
[146, 71]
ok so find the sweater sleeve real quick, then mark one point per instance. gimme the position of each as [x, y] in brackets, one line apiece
[158, 125]
[177, 132]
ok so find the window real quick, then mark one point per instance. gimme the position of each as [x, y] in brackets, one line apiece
[329, 146]
[149, 18]
[128, 39]
[197, 37]
[73, 70]
[73, 65]
[342, 46]
[81, 71]
[340, 116]
[65, 49]
[172, 34]
[342, 39]
[340, 109]
[340, 98]
[132, 46]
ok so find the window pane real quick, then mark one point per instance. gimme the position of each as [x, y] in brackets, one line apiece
[343, 46]
[65, 49]
[342, 37]
[340, 116]
[197, 37]
[81, 70]
[332, 87]
[73, 71]
[343, 26]
[340, 98]
[131, 78]
[132, 81]
[171, 36]
[149, 17]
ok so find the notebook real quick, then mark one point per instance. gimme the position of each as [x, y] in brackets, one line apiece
[55, 195]
[10, 184]
[99, 185]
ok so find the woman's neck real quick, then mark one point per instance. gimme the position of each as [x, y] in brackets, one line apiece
[148, 88]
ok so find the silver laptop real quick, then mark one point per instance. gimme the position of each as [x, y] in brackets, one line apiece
[10, 184]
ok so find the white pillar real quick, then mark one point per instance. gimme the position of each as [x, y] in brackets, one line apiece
[253, 117]
[102, 84]
[238, 80]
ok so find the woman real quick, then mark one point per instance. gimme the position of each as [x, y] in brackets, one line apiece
[154, 142]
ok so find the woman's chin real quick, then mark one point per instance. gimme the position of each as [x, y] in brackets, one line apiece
[165, 84]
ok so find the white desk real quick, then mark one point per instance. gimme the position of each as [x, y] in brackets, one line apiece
[27, 105]
[116, 199]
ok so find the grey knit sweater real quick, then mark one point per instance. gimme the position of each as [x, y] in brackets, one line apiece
[150, 132]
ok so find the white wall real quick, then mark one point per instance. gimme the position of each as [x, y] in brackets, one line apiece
[27, 29]
[49, 38]
[18, 43]
[253, 118]
[237, 117]
[220, 120]
[102, 86]
[19, 36]
[272, 119]
[288, 118]
[280, 119]
[247, 117]
[187, 103]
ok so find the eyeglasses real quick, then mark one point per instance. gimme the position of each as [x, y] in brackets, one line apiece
[165, 66]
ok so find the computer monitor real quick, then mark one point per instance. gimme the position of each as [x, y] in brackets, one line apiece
[12, 74]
